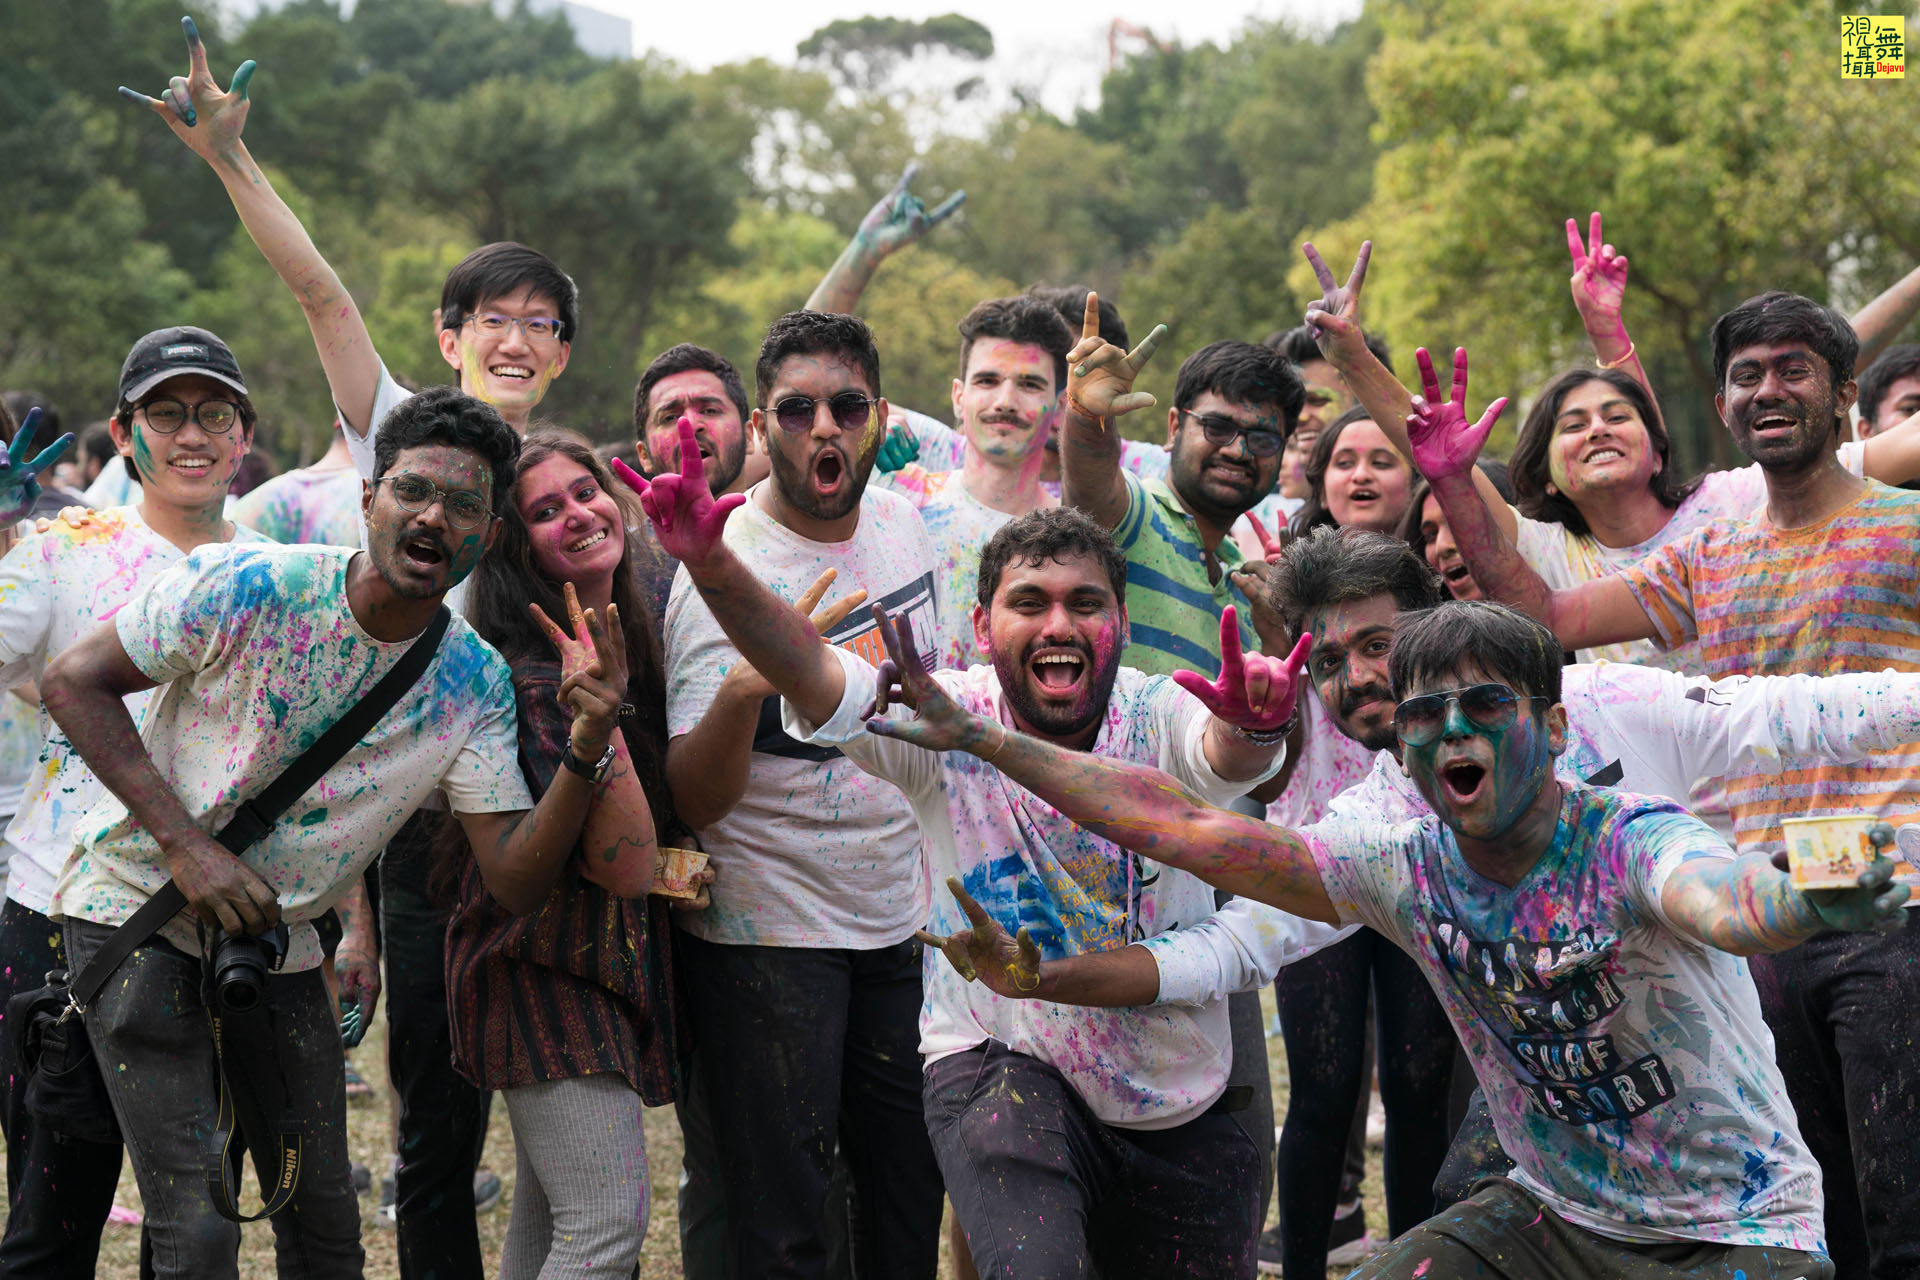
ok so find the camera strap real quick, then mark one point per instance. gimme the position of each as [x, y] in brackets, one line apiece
[254, 1110]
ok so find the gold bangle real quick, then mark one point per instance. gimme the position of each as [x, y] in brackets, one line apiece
[1615, 364]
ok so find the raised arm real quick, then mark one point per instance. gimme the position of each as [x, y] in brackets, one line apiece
[1445, 447]
[769, 633]
[900, 219]
[19, 474]
[1749, 904]
[1100, 388]
[1335, 321]
[1882, 320]
[210, 123]
[1599, 287]
[1136, 807]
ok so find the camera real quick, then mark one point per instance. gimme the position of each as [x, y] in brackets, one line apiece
[241, 965]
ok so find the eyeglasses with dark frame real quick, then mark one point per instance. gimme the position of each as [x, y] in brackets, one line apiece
[465, 509]
[850, 410]
[167, 416]
[1492, 707]
[1261, 442]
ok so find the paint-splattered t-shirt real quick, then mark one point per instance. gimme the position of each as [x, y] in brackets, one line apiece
[1173, 602]
[1627, 1068]
[305, 505]
[958, 526]
[1329, 763]
[941, 448]
[817, 853]
[257, 654]
[55, 587]
[1565, 559]
[1029, 866]
[1840, 595]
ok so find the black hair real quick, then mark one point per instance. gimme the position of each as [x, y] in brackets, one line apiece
[1895, 363]
[1313, 512]
[1070, 300]
[20, 402]
[123, 413]
[1242, 373]
[1437, 643]
[1019, 319]
[806, 333]
[680, 359]
[1297, 344]
[1531, 468]
[1338, 566]
[449, 416]
[1778, 316]
[1411, 530]
[1048, 534]
[500, 270]
[96, 441]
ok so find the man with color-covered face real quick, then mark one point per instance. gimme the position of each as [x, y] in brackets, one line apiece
[1109, 1143]
[809, 940]
[255, 652]
[1584, 942]
[183, 422]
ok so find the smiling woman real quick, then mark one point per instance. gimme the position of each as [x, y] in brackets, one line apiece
[1356, 477]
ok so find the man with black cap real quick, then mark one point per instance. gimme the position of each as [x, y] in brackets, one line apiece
[182, 424]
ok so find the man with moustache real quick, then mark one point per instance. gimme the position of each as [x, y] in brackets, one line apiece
[804, 974]
[1064, 1134]
[1822, 579]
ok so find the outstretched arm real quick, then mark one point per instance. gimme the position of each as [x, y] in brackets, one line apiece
[900, 219]
[1749, 904]
[1445, 447]
[769, 633]
[1100, 380]
[1882, 320]
[1335, 321]
[210, 123]
[1134, 806]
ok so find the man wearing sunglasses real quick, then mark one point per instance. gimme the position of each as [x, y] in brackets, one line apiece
[1585, 942]
[807, 951]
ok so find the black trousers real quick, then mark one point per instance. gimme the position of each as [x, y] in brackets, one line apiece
[800, 1047]
[1045, 1190]
[59, 1190]
[443, 1118]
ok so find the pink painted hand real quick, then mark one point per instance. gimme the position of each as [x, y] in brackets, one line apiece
[1444, 444]
[1272, 545]
[1335, 317]
[1599, 277]
[687, 519]
[1007, 966]
[1254, 692]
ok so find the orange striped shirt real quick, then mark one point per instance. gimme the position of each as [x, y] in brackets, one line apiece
[1841, 595]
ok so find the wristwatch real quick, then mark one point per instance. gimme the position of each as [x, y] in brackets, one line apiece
[596, 772]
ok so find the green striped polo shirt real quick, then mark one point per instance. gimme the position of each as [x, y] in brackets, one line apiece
[1173, 608]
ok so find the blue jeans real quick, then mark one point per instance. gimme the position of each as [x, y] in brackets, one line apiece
[155, 1046]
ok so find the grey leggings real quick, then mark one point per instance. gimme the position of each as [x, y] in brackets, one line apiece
[580, 1194]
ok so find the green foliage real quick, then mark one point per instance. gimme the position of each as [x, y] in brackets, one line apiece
[863, 53]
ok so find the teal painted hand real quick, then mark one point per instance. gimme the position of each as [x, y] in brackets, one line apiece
[208, 121]
[897, 450]
[19, 476]
[900, 218]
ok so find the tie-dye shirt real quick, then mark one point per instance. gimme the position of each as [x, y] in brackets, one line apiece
[941, 448]
[55, 587]
[257, 654]
[1146, 1068]
[305, 506]
[1840, 595]
[816, 853]
[958, 526]
[1626, 1066]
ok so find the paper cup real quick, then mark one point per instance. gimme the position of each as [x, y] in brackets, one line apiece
[674, 870]
[1828, 853]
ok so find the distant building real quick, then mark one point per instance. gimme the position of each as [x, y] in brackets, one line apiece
[597, 32]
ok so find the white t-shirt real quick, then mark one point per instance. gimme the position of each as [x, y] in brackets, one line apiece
[55, 587]
[1626, 1067]
[386, 396]
[941, 448]
[1024, 862]
[305, 505]
[817, 853]
[1565, 559]
[257, 654]
[958, 526]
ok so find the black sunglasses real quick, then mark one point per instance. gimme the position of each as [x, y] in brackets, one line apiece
[849, 409]
[1261, 443]
[1492, 707]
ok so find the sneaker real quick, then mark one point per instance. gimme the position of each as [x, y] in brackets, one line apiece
[1268, 1256]
[487, 1189]
[362, 1179]
[1348, 1242]
[357, 1087]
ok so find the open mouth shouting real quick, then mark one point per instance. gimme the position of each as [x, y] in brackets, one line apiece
[829, 473]
[423, 553]
[1059, 671]
[1462, 781]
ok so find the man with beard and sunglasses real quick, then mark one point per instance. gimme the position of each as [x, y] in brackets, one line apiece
[1064, 1133]
[804, 974]
[1822, 579]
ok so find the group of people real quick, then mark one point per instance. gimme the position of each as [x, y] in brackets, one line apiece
[1021, 756]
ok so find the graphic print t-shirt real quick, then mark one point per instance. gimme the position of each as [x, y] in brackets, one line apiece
[1627, 1068]
[817, 853]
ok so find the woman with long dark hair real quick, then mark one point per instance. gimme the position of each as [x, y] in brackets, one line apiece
[1355, 476]
[569, 1012]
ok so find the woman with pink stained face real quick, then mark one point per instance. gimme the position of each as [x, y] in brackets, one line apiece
[1357, 477]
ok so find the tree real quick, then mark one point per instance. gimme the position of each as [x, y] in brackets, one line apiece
[865, 53]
